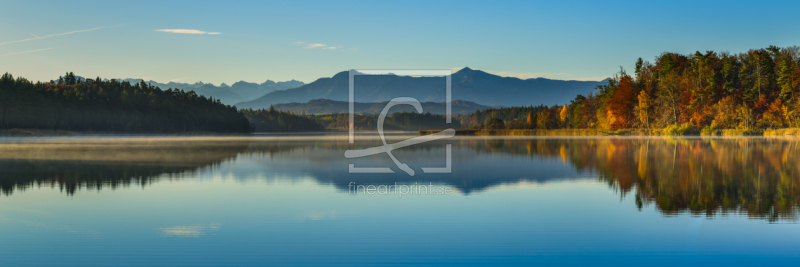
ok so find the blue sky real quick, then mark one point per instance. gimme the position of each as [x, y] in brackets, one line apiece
[260, 40]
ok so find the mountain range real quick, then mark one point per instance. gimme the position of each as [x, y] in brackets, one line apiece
[228, 94]
[467, 84]
[476, 88]
[324, 106]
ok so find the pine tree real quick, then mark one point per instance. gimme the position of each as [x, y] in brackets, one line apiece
[787, 80]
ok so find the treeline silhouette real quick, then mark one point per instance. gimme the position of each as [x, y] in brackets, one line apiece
[419, 121]
[408, 121]
[512, 117]
[272, 120]
[757, 89]
[98, 105]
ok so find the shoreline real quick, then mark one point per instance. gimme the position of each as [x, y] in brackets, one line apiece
[459, 132]
[621, 132]
[61, 133]
[34, 133]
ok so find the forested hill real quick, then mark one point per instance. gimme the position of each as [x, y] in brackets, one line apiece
[700, 92]
[95, 105]
[325, 106]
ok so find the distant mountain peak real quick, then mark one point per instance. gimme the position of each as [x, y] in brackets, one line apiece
[466, 71]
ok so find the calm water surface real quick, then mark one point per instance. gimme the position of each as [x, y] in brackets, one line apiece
[280, 200]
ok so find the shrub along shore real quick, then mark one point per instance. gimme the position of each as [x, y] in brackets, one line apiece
[670, 131]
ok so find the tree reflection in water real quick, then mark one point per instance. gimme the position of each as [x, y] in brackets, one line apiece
[72, 165]
[754, 176]
[701, 176]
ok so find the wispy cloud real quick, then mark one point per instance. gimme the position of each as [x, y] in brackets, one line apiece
[57, 34]
[24, 52]
[312, 46]
[317, 46]
[187, 31]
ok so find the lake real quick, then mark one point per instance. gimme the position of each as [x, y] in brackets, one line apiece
[285, 200]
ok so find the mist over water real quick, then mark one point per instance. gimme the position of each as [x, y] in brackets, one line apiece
[288, 200]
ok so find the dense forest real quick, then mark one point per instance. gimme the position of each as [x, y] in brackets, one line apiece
[272, 120]
[96, 105]
[512, 117]
[757, 89]
[408, 121]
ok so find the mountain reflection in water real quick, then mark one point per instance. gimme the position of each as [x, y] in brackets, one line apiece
[702, 176]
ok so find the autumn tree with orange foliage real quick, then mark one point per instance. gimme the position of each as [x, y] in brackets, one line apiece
[622, 103]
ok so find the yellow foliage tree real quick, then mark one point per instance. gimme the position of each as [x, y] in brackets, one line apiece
[641, 109]
[725, 116]
[791, 112]
[746, 117]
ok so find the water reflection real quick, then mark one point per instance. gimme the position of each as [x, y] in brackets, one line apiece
[112, 163]
[753, 176]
